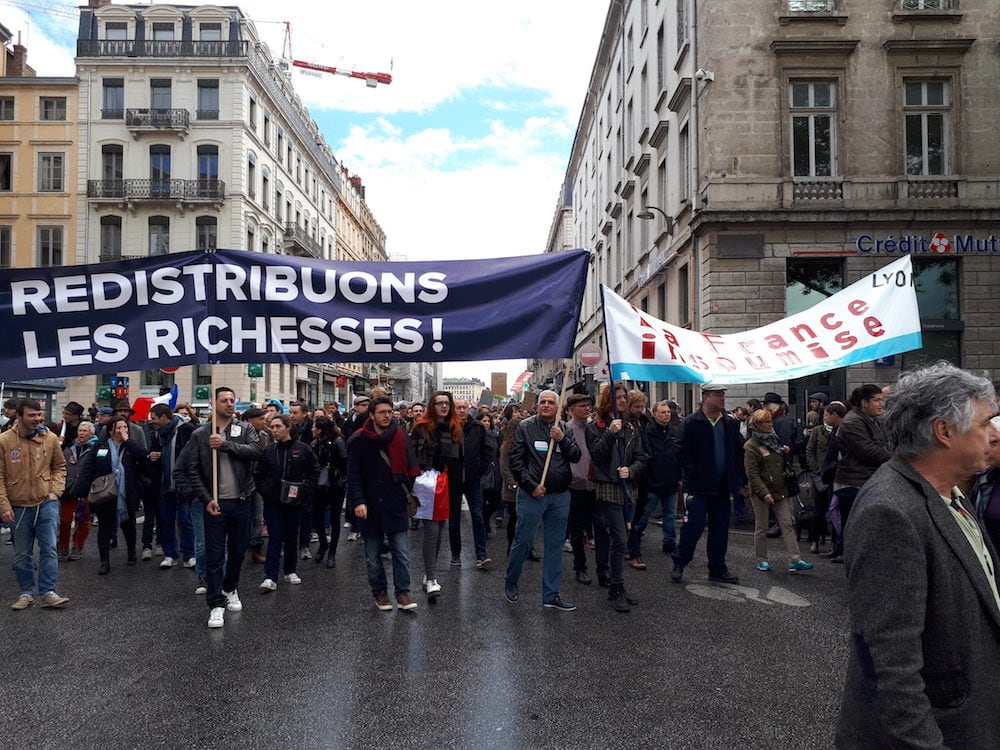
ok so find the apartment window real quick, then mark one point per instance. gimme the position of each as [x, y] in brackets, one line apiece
[265, 189]
[210, 32]
[252, 176]
[51, 168]
[812, 6]
[936, 282]
[6, 108]
[208, 162]
[159, 95]
[208, 99]
[5, 247]
[6, 172]
[112, 162]
[661, 183]
[279, 142]
[252, 114]
[50, 246]
[159, 170]
[207, 229]
[116, 31]
[682, 25]
[661, 59]
[683, 297]
[113, 101]
[159, 235]
[163, 32]
[927, 111]
[814, 108]
[52, 107]
[810, 281]
[288, 164]
[298, 170]
[267, 128]
[278, 198]
[265, 245]
[251, 244]
[684, 165]
[111, 238]
[925, 4]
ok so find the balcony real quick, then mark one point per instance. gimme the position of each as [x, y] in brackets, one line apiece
[297, 242]
[149, 48]
[194, 192]
[156, 120]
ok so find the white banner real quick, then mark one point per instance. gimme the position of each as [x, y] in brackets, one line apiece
[872, 318]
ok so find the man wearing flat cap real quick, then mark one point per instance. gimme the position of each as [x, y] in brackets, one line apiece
[711, 458]
[582, 494]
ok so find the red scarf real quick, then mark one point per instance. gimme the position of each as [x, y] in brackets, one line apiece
[402, 462]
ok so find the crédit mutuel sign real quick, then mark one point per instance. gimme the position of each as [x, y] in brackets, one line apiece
[938, 243]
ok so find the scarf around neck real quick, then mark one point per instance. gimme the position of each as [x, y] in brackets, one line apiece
[767, 439]
[402, 461]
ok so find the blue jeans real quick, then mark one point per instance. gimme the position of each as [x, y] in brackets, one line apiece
[552, 510]
[474, 496]
[227, 536]
[173, 511]
[283, 533]
[654, 498]
[399, 548]
[197, 512]
[39, 524]
[702, 510]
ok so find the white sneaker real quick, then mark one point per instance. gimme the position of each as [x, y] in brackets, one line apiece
[268, 584]
[353, 536]
[201, 589]
[233, 603]
[158, 551]
[147, 554]
[433, 589]
[217, 618]
[190, 562]
[293, 578]
[168, 562]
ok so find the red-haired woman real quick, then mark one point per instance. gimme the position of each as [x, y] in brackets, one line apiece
[437, 441]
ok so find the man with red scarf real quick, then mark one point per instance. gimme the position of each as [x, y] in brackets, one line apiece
[381, 466]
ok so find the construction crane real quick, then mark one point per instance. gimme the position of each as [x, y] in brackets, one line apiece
[287, 62]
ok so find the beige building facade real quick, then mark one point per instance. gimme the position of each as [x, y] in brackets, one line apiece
[737, 162]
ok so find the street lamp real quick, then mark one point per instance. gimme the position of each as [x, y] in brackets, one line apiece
[647, 214]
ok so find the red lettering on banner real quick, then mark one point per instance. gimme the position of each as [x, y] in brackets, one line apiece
[857, 307]
[874, 326]
[846, 340]
[712, 339]
[830, 326]
[649, 346]
[775, 341]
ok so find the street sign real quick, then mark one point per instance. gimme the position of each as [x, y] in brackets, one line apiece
[169, 370]
[590, 355]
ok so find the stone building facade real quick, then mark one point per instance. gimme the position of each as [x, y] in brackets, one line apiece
[736, 162]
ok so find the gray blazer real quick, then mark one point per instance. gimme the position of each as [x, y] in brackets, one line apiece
[924, 665]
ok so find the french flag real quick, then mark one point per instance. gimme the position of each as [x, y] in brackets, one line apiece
[143, 404]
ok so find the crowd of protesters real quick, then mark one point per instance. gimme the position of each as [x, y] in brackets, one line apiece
[278, 485]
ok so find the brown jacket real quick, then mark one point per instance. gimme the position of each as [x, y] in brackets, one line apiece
[31, 469]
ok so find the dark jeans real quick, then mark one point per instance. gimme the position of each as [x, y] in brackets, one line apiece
[282, 529]
[399, 548]
[610, 518]
[492, 502]
[582, 507]
[227, 536]
[332, 498]
[713, 511]
[474, 495]
[107, 528]
[305, 527]
[151, 518]
[511, 523]
[172, 512]
[821, 504]
[845, 501]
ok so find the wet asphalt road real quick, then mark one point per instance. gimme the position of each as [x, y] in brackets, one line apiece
[130, 662]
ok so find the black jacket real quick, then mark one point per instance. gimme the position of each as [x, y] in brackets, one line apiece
[697, 455]
[370, 481]
[242, 445]
[527, 456]
[97, 463]
[609, 451]
[292, 460]
[663, 444]
[477, 449]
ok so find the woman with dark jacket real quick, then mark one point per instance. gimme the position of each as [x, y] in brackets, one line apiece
[438, 441]
[764, 459]
[663, 476]
[122, 456]
[619, 457]
[492, 496]
[331, 452]
[863, 448]
[284, 461]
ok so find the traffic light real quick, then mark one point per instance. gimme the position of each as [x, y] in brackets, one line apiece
[255, 371]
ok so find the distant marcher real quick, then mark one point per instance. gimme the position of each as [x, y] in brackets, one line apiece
[74, 511]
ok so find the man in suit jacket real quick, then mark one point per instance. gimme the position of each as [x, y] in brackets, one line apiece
[924, 665]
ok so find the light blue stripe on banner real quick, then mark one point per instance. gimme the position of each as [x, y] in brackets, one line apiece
[674, 373]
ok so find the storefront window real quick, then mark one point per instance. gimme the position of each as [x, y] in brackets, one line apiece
[809, 281]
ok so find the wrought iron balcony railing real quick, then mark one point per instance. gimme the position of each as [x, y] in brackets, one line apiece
[134, 190]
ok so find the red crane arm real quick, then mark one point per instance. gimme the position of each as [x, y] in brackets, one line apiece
[378, 77]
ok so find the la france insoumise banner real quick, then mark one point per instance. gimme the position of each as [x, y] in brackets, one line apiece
[232, 306]
[875, 317]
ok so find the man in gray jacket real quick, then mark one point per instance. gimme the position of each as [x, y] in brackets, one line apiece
[543, 449]
[922, 586]
[227, 511]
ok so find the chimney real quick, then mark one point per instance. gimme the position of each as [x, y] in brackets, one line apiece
[18, 66]
[99, 3]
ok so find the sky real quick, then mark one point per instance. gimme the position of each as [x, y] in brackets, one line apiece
[463, 154]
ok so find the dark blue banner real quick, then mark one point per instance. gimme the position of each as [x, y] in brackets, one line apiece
[231, 306]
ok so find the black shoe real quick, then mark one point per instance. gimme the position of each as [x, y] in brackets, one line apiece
[618, 602]
[723, 577]
[677, 574]
[510, 592]
[557, 602]
[104, 569]
[534, 556]
[603, 581]
[832, 554]
[774, 532]
[320, 554]
[630, 599]
[668, 548]
[839, 560]
[131, 558]
[331, 561]
[583, 577]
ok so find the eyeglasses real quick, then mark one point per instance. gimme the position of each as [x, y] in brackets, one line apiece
[382, 412]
